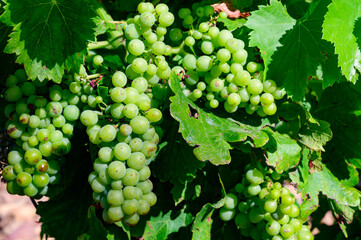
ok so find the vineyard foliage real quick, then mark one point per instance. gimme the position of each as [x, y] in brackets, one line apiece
[311, 49]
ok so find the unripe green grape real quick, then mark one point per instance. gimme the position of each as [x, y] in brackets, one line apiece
[189, 41]
[224, 36]
[226, 214]
[287, 230]
[166, 19]
[231, 201]
[204, 63]
[254, 176]
[223, 15]
[295, 211]
[183, 12]
[254, 189]
[270, 109]
[270, 206]
[223, 55]
[131, 220]
[255, 216]
[214, 103]
[175, 34]
[189, 62]
[98, 60]
[273, 228]
[240, 56]
[255, 99]
[242, 221]
[243, 78]
[116, 170]
[30, 190]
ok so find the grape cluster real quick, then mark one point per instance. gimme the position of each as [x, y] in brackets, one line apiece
[41, 120]
[264, 209]
[215, 67]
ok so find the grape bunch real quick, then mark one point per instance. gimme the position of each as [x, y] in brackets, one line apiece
[264, 209]
[41, 120]
[215, 67]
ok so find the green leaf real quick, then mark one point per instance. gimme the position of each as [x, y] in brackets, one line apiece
[316, 135]
[207, 131]
[49, 36]
[283, 152]
[232, 25]
[159, 228]
[184, 164]
[338, 106]
[203, 223]
[311, 184]
[96, 229]
[269, 24]
[338, 28]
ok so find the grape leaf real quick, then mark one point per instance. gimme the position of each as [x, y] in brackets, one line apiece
[337, 28]
[311, 184]
[203, 223]
[269, 24]
[208, 132]
[160, 227]
[232, 25]
[183, 166]
[283, 152]
[49, 36]
[345, 125]
[315, 135]
[96, 229]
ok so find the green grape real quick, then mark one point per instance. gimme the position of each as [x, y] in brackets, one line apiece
[132, 95]
[175, 34]
[273, 228]
[189, 41]
[131, 177]
[287, 230]
[40, 180]
[253, 189]
[23, 179]
[31, 190]
[233, 45]
[223, 15]
[270, 109]
[115, 197]
[230, 201]
[233, 99]
[166, 19]
[204, 63]
[255, 99]
[8, 173]
[296, 224]
[119, 79]
[189, 62]
[131, 220]
[132, 31]
[140, 84]
[122, 151]
[255, 215]
[223, 55]
[240, 56]
[130, 192]
[116, 170]
[139, 65]
[207, 47]
[158, 48]
[98, 60]
[89, 118]
[143, 207]
[224, 36]
[139, 124]
[236, 68]
[115, 213]
[242, 221]
[270, 206]
[153, 115]
[144, 173]
[267, 99]
[13, 94]
[136, 161]
[28, 89]
[32, 156]
[105, 154]
[151, 198]
[42, 166]
[243, 78]
[131, 110]
[295, 211]
[226, 214]
[149, 149]
[254, 176]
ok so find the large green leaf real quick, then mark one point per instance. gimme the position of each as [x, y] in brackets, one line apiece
[316, 135]
[300, 50]
[159, 227]
[96, 228]
[209, 133]
[49, 36]
[283, 152]
[357, 32]
[311, 184]
[269, 24]
[203, 223]
[338, 28]
[340, 106]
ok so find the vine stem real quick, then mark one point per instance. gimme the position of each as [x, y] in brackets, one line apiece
[98, 45]
[34, 202]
